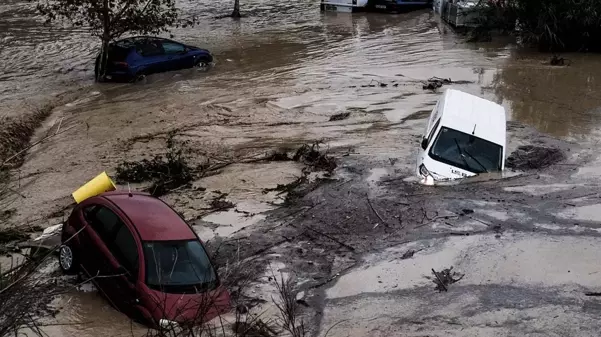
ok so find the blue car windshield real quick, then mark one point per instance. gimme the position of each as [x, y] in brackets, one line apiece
[466, 151]
[178, 266]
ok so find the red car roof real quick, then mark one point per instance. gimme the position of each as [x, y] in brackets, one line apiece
[154, 220]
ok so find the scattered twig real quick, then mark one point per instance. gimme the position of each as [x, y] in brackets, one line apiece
[333, 326]
[409, 254]
[59, 125]
[333, 277]
[332, 238]
[376, 212]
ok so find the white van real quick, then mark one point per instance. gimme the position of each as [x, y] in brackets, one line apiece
[348, 6]
[465, 136]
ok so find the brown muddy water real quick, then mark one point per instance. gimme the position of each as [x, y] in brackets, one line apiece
[280, 73]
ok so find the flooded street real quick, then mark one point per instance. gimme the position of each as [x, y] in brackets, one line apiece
[527, 250]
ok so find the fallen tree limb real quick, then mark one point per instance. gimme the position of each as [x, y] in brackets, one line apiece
[376, 212]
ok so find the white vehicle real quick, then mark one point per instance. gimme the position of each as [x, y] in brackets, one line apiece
[465, 136]
[458, 13]
[348, 6]
[393, 6]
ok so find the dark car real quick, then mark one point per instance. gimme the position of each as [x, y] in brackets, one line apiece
[133, 57]
[144, 258]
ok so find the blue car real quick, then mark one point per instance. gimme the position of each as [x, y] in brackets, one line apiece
[134, 57]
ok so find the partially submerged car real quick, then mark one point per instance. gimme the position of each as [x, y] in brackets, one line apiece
[372, 5]
[133, 57]
[465, 136]
[144, 258]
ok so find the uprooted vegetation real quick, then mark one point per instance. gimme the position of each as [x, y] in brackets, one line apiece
[445, 277]
[166, 171]
[314, 160]
[312, 156]
[173, 169]
[24, 296]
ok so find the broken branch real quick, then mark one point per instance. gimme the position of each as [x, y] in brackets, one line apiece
[376, 212]
[440, 282]
[333, 239]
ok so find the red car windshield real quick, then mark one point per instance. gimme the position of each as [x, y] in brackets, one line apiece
[178, 267]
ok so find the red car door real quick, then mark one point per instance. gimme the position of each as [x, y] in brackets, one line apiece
[125, 259]
[100, 225]
[97, 260]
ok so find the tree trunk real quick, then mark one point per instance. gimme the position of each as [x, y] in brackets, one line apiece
[236, 12]
[101, 61]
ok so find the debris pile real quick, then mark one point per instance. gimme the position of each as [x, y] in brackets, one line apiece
[379, 84]
[313, 158]
[167, 172]
[340, 116]
[445, 277]
[434, 83]
[559, 61]
[531, 157]
[219, 203]
[310, 155]
[12, 234]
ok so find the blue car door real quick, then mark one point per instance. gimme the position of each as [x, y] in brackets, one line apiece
[154, 59]
[178, 55]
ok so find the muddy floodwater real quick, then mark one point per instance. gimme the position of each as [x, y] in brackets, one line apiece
[528, 250]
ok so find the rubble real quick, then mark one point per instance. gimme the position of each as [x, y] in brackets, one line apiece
[532, 157]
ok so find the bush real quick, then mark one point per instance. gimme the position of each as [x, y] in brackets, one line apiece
[552, 25]
[167, 172]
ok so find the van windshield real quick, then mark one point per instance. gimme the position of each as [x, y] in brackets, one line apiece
[466, 151]
[178, 267]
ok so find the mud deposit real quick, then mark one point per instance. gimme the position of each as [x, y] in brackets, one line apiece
[354, 231]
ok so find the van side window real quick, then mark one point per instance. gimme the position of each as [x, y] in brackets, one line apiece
[125, 250]
[433, 130]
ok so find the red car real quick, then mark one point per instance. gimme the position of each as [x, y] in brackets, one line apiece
[144, 258]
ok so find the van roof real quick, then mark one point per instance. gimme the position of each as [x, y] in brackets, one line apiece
[471, 114]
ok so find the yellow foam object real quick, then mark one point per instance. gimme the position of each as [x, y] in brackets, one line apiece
[100, 184]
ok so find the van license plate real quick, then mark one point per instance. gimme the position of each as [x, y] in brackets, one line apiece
[381, 6]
